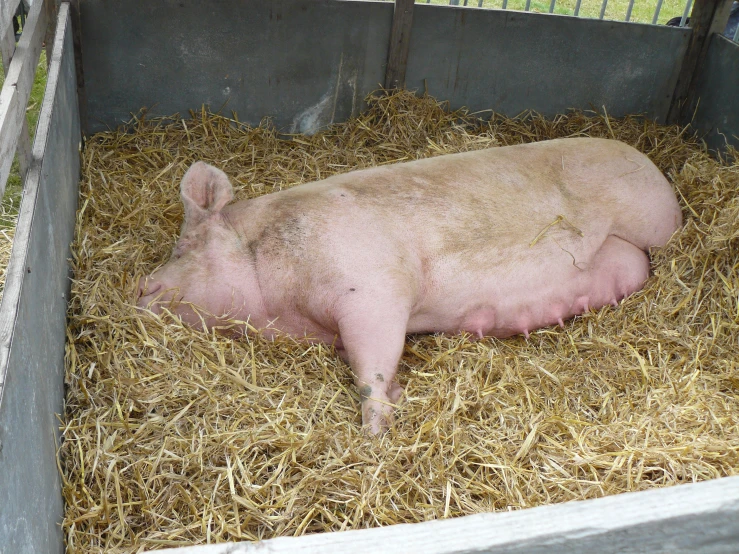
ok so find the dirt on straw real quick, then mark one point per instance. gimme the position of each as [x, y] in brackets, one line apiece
[176, 437]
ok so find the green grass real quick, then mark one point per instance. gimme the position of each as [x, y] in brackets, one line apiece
[11, 199]
[642, 12]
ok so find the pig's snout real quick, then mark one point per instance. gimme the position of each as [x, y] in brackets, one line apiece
[147, 291]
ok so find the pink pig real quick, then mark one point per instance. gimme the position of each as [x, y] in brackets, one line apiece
[493, 243]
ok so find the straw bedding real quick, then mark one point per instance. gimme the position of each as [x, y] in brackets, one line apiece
[176, 437]
[6, 245]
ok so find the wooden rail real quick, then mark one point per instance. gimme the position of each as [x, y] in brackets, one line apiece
[7, 11]
[7, 50]
[20, 69]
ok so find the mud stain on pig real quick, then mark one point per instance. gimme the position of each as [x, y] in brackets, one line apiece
[288, 233]
[365, 392]
[252, 247]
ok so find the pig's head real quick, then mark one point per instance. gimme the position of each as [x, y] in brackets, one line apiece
[204, 270]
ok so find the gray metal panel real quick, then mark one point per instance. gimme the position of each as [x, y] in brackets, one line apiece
[511, 61]
[305, 63]
[717, 94]
[34, 306]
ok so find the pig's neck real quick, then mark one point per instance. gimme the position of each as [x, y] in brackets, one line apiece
[259, 276]
[254, 305]
[237, 293]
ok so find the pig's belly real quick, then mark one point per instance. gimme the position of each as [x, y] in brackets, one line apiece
[534, 294]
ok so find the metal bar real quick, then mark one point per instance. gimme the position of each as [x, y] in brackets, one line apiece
[505, 4]
[577, 8]
[735, 38]
[686, 13]
[628, 10]
[465, 2]
[551, 6]
[656, 12]
[479, 4]
[603, 8]
[528, 5]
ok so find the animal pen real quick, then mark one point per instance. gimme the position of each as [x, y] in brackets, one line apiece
[278, 92]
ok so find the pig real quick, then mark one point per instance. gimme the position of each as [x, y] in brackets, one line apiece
[495, 242]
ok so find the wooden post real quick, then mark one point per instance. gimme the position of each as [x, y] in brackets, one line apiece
[74, 11]
[400, 40]
[51, 12]
[708, 17]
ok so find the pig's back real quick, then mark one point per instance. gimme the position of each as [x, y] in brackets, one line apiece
[503, 195]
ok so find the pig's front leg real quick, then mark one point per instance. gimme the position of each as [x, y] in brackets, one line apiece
[373, 340]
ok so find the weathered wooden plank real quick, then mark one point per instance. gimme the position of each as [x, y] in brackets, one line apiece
[17, 87]
[7, 12]
[695, 518]
[7, 50]
[400, 41]
[33, 320]
[708, 16]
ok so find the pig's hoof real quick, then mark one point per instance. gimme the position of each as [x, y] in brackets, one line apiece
[377, 414]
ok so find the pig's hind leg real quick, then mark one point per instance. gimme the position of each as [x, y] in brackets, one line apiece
[373, 337]
[618, 269]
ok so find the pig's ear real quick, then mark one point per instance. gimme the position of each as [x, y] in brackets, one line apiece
[204, 190]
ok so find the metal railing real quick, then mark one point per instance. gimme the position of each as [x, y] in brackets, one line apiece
[576, 11]
[679, 20]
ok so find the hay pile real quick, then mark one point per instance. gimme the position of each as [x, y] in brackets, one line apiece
[174, 437]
